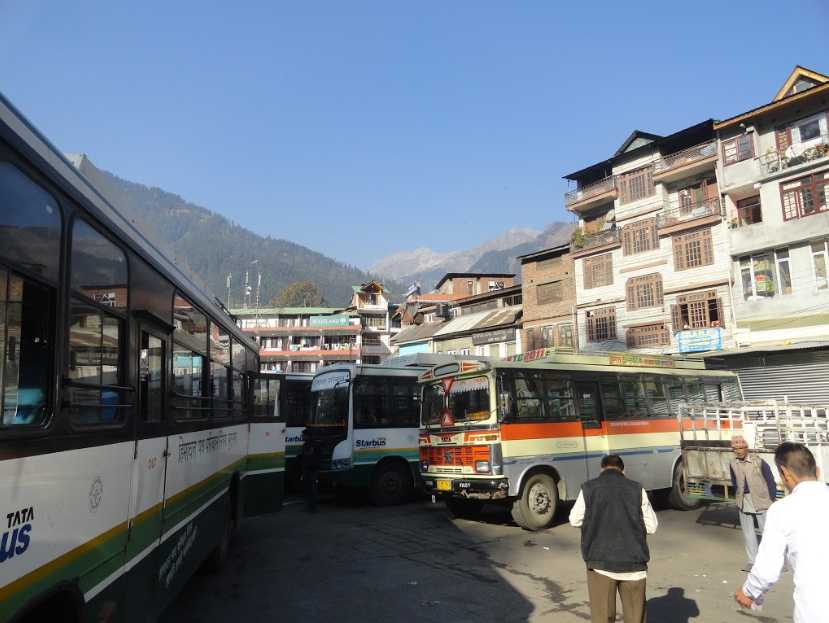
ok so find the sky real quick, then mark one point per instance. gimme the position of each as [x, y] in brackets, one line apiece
[363, 128]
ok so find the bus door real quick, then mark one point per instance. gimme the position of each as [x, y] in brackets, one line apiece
[150, 464]
[592, 425]
[264, 481]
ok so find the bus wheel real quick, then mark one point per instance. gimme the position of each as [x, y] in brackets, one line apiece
[464, 509]
[678, 498]
[218, 557]
[392, 485]
[536, 508]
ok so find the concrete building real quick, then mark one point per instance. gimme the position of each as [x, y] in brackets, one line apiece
[650, 254]
[371, 305]
[774, 178]
[548, 289]
[470, 284]
[301, 339]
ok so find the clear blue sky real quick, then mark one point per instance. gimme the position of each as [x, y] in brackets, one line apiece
[361, 128]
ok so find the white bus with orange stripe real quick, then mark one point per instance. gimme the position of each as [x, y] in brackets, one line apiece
[530, 431]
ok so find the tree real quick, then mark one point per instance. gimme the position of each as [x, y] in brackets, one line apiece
[298, 294]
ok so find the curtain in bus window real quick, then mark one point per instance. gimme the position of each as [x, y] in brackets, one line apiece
[30, 224]
[26, 345]
[528, 394]
[633, 399]
[613, 407]
[558, 398]
[469, 399]
[657, 401]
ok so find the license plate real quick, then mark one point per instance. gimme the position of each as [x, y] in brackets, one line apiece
[444, 485]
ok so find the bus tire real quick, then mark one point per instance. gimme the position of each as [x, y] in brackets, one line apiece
[464, 509]
[678, 497]
[218, 557]
[535, 509]
[391, 485]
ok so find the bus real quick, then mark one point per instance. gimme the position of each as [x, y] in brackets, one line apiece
[132, 431]
[366, 421]
[528, 432]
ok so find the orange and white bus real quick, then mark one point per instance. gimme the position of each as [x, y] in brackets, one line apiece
[529, 431]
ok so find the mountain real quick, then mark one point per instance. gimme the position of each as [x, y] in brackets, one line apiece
[498, 255]
[211, 246]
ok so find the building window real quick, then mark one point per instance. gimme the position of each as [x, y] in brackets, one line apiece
[700, 194]
[548, 293]
[470, 287]
[598, 271]
[820, 260]
[698, 311]
[565, 336]
[758, 274]
[647, 335]
[693, 249]
[644, 291]
[805, 196]
[601, 324]
[809, 130]
[748, 211]
[738, 149]
[640, 237]
[495, 285]
[636, 185]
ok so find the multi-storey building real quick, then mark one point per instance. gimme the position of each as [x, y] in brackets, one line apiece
[301, 339]
[370, 304]
[470, 284]
[774, 176]
[650, 253]
[548, 290]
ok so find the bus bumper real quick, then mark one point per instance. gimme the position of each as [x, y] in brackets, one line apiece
[472, 488]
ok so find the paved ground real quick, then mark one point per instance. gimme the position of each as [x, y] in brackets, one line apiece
[353, 562]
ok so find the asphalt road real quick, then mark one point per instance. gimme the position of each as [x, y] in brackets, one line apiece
[352, 562]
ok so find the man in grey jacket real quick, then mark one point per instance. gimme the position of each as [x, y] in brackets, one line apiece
[754, 490]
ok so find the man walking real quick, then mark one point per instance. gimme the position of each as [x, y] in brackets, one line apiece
[615, 516]
[795, 532]
[754, 490]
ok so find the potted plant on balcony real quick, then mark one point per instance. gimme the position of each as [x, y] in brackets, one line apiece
[577, 239]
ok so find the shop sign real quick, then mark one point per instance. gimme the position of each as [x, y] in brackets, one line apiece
[493, 337]
[699, 340]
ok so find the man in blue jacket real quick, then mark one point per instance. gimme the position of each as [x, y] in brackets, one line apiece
[754, 491]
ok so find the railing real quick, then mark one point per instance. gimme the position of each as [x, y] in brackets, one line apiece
[611, 236]
[679, 213]
[686, 156]
[591, 190]
[774, 161]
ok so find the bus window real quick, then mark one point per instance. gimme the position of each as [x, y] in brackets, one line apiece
[237, 395]
[588, 403]
[371, 404]
[188, 372]
[26, 343]
[528, 394]
[331, 407]
[96, 333]
[558, 398]
[297, 403]
[633, 398]
[713, 392]
[30, 224]
[613, 408]
[434, 401]
[469, 399]
[676, 393]
[694, 390]
[151, 377]
[657, 401]
[404, 404]
[219, 389]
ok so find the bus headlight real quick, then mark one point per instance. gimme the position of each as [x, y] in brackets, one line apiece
[482, 467]
[338, 464]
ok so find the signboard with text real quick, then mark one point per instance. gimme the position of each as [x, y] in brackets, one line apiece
[339, 320]
[493, 337]
[699, 340]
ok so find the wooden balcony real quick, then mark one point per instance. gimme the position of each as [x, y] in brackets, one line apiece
[795, 156]
[674, 214]
[685, 163]
[586, 197]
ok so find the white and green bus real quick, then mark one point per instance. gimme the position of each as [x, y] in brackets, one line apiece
[134, 431]
[295, 408]
[366, 422]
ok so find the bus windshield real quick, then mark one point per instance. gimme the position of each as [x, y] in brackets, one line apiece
[467, 400]
[330, 406]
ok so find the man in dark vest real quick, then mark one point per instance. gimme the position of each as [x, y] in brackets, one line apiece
[615, 516]
[754, 492]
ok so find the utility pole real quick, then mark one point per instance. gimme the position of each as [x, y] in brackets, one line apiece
[228, 290]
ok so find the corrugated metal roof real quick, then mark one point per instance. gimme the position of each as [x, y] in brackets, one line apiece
[416, 333]
[480, 320]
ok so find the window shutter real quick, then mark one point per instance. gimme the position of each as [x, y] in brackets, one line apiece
[659, 297]
[679, 253]
[630, 295]
[591, 328]
[783, 138]
[611, 323]
[608, 269]
[627, 240]
[587, 264]
[676, 318]
[720, 313]
[707, 246]
[654, 234]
